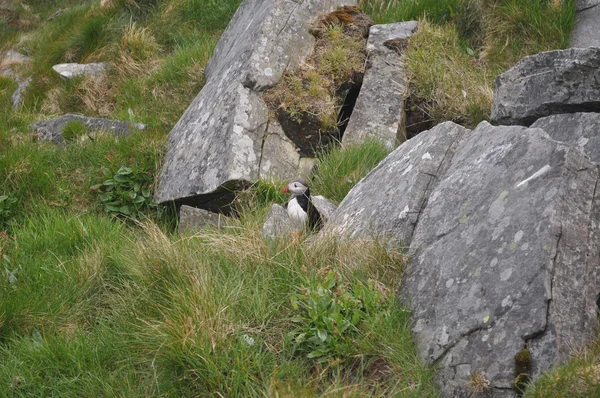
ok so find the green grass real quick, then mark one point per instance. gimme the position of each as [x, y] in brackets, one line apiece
[96, 305]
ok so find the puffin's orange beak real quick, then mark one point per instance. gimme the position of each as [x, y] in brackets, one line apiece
[286, 189]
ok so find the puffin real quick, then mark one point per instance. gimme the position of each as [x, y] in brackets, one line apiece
[300, 209]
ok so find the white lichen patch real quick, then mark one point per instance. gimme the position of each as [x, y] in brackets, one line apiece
[404, 213]
[505, 275]
[507, 302]
[427, 156]
[449, 283]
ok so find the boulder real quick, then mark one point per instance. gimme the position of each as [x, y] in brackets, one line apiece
[51, 130]
[387, 203]
[579, 130]
[379, 109]
[502, 229]
[585, 32]
[278, 224]
[225, 140]
[192, 219]
[69, 71]
[548, 83]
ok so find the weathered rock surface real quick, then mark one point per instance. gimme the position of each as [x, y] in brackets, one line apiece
[217, 145]
[16, 99]
[553, 82]
[386, 204]
[586, 32]
[379, 109]
[51, 130]
[193, 219]
[579, 130]
[501, 250]
[502, 229]
[69, 71]
[278, 224]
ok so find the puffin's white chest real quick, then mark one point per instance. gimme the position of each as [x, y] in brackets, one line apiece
[298, 216]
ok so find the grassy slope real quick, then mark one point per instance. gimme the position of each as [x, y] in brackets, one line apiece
[91, 305]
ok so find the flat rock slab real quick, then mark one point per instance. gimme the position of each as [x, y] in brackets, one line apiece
[379, 109]
[587, 19]
[51, 130]
[387, 203]
[225, 140]
[69, 71]
[498, 259]
[548, 83]
[579, 130]
[193, 220]
[278, 223]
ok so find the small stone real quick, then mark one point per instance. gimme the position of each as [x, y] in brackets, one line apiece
[193, 219]
[71, 70]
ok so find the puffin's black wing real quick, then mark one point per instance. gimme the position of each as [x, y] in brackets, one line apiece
[315, 221]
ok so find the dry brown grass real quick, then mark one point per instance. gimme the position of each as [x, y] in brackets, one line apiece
[339, 54]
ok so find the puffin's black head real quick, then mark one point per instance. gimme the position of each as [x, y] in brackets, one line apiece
[296, 187]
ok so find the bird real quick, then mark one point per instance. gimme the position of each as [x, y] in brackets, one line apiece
[303, 214]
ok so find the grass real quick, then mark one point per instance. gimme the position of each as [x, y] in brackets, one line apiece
[97, 305]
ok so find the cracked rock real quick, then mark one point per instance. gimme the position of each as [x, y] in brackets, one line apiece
[548, 83]
[386, 204]
[498, 258]
[219, 143]
[379, 109]
[502, 229]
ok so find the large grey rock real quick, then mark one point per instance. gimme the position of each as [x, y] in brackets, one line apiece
[219, 142]
[586, 32]
[51, 130]
[379, 109]
[69, 71]
[192, 219]
[580, 130]
[387, 203]
[278, 224]
[553, 82]
[498, 259]
[504, 246]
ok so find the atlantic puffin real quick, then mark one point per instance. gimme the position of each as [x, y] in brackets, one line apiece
[300, 208]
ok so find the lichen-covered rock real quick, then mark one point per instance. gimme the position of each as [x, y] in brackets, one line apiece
[52, 130]
[504, 246]
[549, 83]
[580, 130]
[69, 71]
[498, 259]
[379, 109]
[386, 204]
[217, 145]
[193, 219]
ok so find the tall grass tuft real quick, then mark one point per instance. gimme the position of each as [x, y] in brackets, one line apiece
[339, 170]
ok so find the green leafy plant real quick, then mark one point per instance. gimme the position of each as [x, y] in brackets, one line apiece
[7, 203]
[329, 314]
[126, 192]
